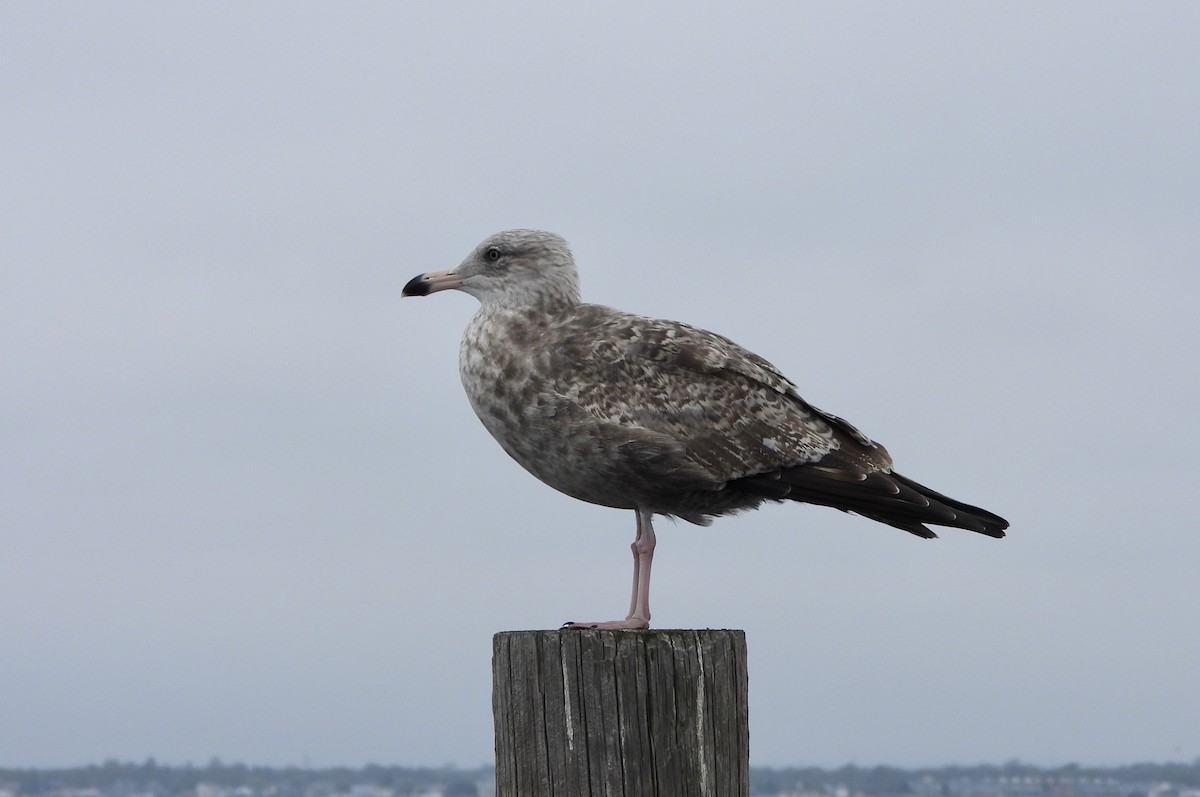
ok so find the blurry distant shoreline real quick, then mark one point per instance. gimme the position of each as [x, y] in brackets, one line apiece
[219, 779]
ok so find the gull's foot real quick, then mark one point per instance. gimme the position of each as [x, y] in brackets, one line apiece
[628, 624]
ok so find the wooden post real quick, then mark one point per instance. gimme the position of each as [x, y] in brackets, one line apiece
[621, 714]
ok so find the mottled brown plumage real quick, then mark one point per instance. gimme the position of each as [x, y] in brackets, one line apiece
[656, 416]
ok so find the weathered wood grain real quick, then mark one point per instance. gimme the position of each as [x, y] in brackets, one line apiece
[621, 713]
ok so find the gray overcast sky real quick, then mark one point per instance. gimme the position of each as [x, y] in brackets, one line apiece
[246, 511]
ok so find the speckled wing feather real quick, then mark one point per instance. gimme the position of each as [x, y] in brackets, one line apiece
[735, 413]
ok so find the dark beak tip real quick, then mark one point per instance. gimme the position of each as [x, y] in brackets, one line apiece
[416, 287]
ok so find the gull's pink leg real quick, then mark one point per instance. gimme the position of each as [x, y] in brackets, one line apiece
[639, 602]
[637, 571]
[643, 557]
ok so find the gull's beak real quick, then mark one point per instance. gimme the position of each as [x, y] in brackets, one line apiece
[432, 282]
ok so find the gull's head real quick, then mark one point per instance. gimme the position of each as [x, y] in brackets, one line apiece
[515, 267]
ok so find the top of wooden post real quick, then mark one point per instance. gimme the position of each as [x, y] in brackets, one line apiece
[658, 713]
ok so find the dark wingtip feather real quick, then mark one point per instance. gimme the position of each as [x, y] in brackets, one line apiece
[911, 526]
[980, 520]
[886, 497]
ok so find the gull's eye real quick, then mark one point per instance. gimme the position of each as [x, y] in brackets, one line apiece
[492, 254]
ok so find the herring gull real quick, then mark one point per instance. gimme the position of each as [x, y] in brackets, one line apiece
[656, 416]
